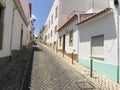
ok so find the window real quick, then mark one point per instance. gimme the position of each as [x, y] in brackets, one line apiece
[45, 37]
[55, 29]
[56, 12]
[49, 23]
[71, 38]
[60, 41]
[51, 33]
[97, 46]
[48, 35]
[1, 26]
[51, 19]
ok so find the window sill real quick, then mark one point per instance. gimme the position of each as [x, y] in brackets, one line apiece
[71, 44]
[100, 58]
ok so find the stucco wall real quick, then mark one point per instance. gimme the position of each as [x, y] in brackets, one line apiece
[67, 7]
[25, 35]
[52, 26]
[16, 32]
[19, 24]
[68, 48]
[25, 6]
[7, 29]
[102, 26]
[98, 5]
[11, 35]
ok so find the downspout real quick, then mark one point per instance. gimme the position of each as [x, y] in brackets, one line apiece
[12, 33]
[92, 4]
[118, 47]
[78, 36]
[116, 3]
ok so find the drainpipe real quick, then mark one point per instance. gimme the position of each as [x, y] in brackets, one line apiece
[92, 4]
[116, 5]
[78, 36]
[13, 14]
[118, 47]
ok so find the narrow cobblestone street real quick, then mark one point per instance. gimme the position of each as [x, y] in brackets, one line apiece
[12, 76]
[50, 72]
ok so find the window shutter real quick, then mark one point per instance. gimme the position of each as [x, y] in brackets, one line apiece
[97, 46]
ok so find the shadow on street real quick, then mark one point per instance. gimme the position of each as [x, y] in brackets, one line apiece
[29, 70]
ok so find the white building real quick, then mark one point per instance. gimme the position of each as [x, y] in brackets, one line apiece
[59, 14]
[99, 41]
[41, 35]
[68, 32]
[68, 35]
[95, 37]
[62, 11]
[14, 31]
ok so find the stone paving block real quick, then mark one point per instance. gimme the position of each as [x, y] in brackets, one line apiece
[51, 72]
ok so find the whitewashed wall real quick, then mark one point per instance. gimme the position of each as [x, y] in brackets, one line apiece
[16, 32]
[68, 48]
[7, 28]
[55, 22]
[18, 25]
[67, 7]
[97, 5]
[25, 6]
[101, 26]
[25, 35]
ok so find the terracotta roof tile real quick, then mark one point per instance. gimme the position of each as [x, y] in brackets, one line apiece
[68, 22]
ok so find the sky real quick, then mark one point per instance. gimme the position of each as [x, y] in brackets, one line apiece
[40, 11]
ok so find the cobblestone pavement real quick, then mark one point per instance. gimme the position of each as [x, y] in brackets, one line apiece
[11, 76]
[50, 72]
[97, 78]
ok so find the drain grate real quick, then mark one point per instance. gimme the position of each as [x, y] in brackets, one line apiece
[85, 85]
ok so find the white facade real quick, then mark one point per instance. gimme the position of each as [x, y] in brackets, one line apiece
[97, 5]
[21, 22]
[49, 26]
[64, 10]
[65, 31]
[104, 25]
[14, 21]
[5, 51]
[107, 25]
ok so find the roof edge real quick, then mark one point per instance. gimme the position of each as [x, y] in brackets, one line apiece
[103, 12]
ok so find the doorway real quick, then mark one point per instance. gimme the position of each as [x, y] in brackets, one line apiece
[64, 44]
[21, 39]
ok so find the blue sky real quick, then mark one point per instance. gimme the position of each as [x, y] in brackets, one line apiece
[41, 9]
